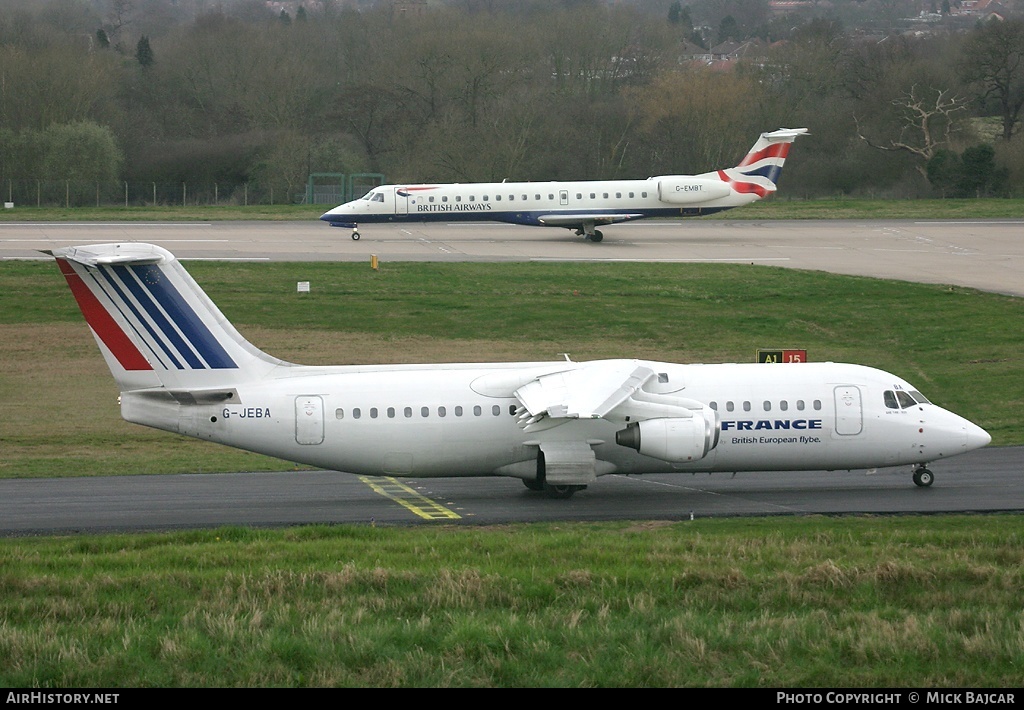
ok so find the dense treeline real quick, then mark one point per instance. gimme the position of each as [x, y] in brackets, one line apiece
[256, 94]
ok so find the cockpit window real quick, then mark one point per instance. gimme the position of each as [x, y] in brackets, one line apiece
[900, 399]
[374, 196]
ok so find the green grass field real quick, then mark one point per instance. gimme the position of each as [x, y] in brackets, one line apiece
[788, 602]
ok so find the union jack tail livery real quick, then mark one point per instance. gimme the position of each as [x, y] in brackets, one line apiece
[758, 173]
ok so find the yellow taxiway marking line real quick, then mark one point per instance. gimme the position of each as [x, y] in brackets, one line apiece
[408, 498]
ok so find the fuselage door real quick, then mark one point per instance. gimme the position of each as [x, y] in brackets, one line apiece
[402, 198]
[309, 419]
[849, 411]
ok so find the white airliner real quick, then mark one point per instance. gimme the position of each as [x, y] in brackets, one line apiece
[580, 206]
[558, 426]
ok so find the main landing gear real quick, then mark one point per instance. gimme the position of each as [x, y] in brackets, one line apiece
[592, 234]
[923, 477]
[355, 234]
[553, 491]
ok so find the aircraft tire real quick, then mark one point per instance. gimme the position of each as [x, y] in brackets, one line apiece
[923, 477]
[596, 236]
[533, 484]
[562, 491]
[355, 236]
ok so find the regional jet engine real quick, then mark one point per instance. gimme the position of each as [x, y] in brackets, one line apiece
[686, 190]
[673, 439]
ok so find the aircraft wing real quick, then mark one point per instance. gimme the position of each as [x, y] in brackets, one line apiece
[587, 392]
[578, 220]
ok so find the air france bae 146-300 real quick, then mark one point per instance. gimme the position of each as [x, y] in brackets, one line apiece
[558, 426]
[580, 206]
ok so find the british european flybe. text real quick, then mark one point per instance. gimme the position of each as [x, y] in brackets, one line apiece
[776, 440]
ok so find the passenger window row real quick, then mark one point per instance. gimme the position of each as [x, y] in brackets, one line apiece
[768, 405]
[536, 197]
[423, 412]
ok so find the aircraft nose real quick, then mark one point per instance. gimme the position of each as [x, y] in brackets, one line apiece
[334, 215]
[976, 436]
[969, 435]
[944, 433]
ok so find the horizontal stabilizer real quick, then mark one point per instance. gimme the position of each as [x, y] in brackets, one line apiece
[784, 135]
[110, 254]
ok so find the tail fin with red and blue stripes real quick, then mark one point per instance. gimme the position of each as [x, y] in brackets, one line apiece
[758, 173]
[154, 324]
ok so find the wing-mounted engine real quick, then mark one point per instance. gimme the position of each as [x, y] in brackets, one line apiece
[669, 428]
[675, 440]
[663, 426]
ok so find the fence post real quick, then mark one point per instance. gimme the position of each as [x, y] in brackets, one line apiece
[97, 193]
[126, 194]
[182, 194]
[67, 194]
[154, 194]
[216, 194]
[246, 195]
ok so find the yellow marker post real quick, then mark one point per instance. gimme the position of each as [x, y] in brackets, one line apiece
[373, 262]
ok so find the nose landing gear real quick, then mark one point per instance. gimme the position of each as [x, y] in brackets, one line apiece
[923, 477]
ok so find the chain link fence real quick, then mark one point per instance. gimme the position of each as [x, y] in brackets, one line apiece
[84, 193]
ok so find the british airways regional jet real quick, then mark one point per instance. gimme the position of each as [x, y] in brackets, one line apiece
[558, 426]
[580, 206]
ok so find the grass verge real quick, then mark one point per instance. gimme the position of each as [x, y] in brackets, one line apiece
[775, 602]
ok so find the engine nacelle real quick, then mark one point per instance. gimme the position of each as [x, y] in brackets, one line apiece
[685, 190]
[672, 439]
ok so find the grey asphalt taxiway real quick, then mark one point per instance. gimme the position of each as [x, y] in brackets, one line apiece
[985, 254]
[984, 481]
[982, 254]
